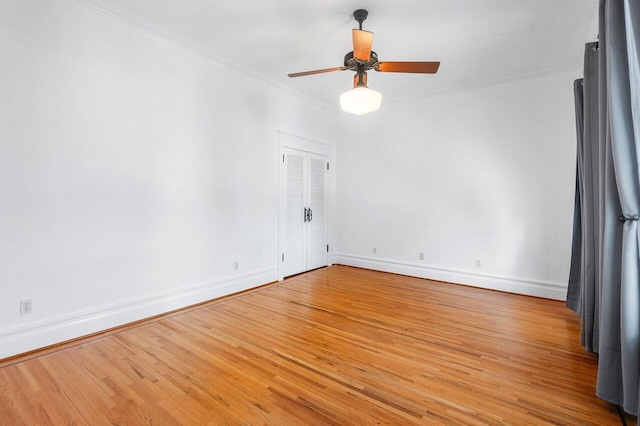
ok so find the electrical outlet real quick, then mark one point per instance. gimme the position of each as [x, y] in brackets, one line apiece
[478, 263]
[236, 265]
[421, 256]
[25, 307]
[375, 250]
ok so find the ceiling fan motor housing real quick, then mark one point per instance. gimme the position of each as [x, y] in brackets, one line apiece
[352, 63]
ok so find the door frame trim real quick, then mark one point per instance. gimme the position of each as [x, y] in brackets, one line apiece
[289, 140]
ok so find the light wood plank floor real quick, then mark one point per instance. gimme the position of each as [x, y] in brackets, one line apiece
[338, 345]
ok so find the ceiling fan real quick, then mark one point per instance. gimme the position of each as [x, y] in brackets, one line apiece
[361, 99]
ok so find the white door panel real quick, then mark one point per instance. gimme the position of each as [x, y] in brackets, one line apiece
[316, 226]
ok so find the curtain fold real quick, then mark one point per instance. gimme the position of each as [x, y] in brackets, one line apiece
[574, 290]
[604, 285]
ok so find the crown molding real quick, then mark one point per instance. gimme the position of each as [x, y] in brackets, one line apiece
[568, 66]
[139, 21]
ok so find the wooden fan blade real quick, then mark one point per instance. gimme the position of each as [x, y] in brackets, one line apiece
[410, 67]
[300, 74]
[362, 42]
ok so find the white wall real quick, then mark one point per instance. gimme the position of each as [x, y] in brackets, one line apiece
[486, 174]
[133, 173]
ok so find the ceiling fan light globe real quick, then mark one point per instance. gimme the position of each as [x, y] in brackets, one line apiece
[360, 100]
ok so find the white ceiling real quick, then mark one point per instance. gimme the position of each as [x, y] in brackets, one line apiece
[478, 42]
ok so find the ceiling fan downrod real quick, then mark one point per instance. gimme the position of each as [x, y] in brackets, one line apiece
[360, 78]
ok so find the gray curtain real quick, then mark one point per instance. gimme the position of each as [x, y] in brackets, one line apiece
[604, 285]
[585, 268]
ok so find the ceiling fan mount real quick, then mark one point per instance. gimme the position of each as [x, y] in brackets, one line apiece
[360, 15]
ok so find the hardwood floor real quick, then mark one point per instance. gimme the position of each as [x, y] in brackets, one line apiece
[338, 345]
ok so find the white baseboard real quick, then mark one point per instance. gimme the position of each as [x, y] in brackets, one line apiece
[548, 290]
[36, 335]
[28, 337]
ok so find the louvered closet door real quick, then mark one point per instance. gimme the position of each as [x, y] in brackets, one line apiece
[294, 253]
[302, 211]
[316, 226]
